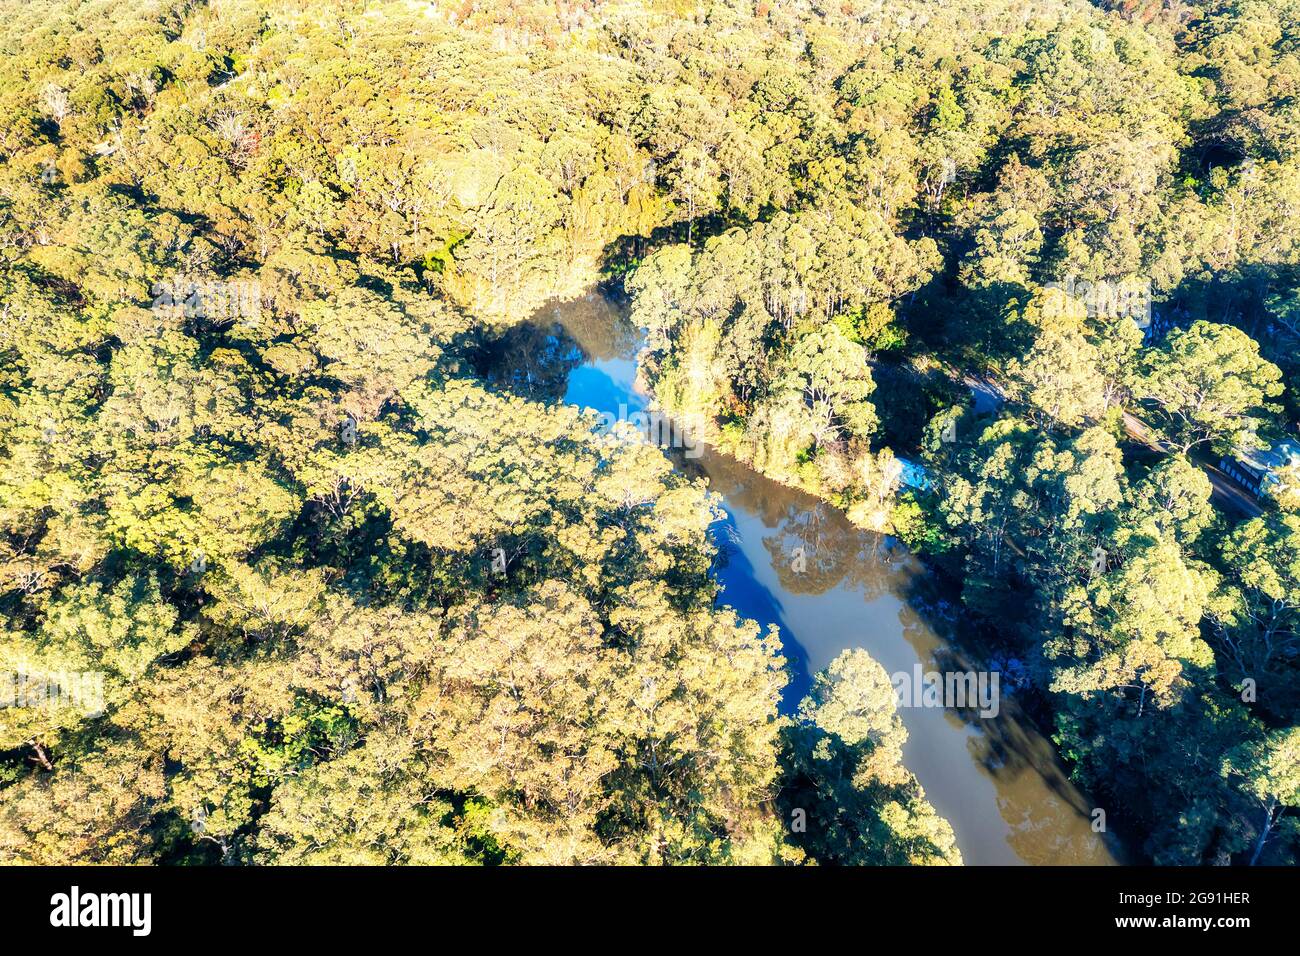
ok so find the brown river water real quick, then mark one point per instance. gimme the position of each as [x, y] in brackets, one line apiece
[996, 779]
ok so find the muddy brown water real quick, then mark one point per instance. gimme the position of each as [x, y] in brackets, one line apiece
[996, 779]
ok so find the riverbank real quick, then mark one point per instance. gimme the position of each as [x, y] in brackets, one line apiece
[791, 560]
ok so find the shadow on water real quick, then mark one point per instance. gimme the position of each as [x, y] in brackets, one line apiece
[791, 560]
[742, 592]
[533, 359]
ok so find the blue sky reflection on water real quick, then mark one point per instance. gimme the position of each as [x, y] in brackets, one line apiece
[996, 780]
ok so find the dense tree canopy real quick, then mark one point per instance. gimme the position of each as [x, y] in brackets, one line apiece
[344, 600]
[347, 597]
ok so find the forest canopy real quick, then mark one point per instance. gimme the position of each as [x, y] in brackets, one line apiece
[348, 600]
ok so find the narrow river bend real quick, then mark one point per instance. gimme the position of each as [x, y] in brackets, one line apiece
[996, 780]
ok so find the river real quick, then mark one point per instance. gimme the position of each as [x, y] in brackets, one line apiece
[997, 780]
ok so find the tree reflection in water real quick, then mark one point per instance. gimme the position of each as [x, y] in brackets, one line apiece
[996, 779]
